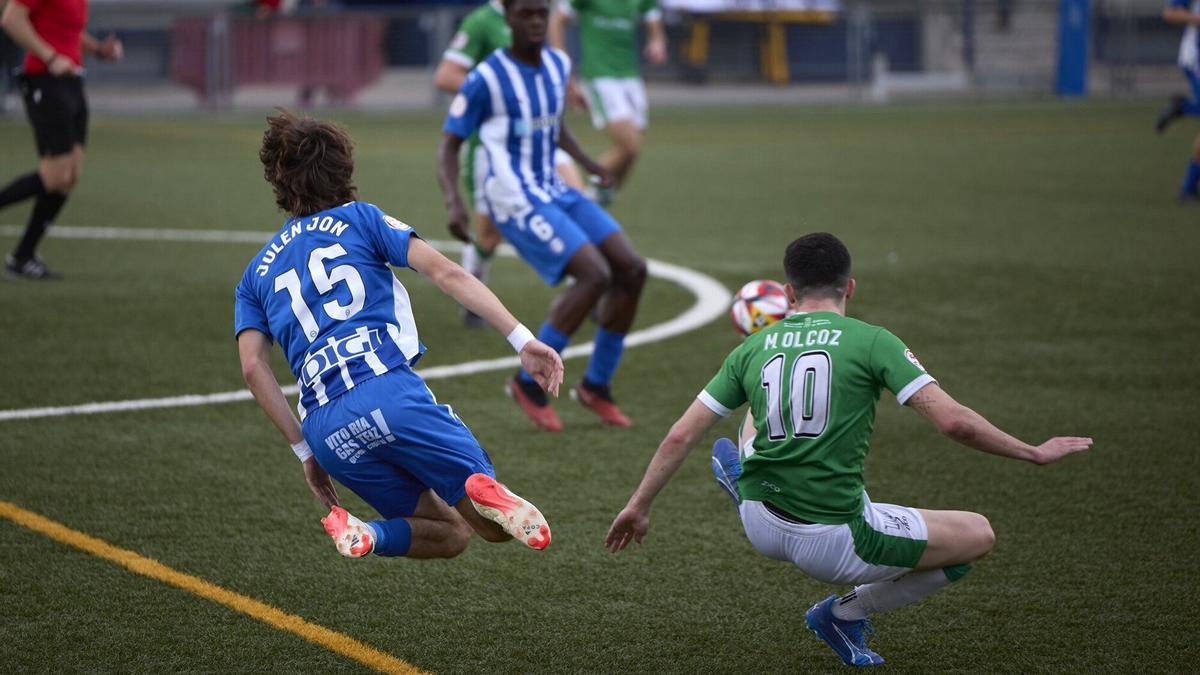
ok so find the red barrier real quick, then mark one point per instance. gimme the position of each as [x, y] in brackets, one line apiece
[342, 54]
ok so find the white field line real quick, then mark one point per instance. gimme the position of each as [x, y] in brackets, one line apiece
[711, 300]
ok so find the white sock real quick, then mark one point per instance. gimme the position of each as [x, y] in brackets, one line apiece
[888, 595]
[476, 263]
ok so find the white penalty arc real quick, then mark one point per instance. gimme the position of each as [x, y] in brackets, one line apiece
[711, 299]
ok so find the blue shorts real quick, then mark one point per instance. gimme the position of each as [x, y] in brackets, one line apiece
[388, 440]
[548, 235]
[1193, 79]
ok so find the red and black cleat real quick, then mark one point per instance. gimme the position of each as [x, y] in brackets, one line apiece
[533, 402]
[598, 399]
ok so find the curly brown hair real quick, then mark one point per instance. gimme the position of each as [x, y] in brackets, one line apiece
[309, 163]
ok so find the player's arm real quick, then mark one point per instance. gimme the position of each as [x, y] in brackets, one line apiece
[969, 428]
[108, 49]
[656, 40]
[1180, 14]
[634, 520]
[449, 76]
[566, 141]
[539, 360]
[457, 218]
[556, 31]
[15, 21]
[254, 350]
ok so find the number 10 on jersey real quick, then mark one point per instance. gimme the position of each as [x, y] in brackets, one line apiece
[808, 396]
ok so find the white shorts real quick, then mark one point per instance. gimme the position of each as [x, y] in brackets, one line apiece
[614, 99]
[481, 174]
[885, 543]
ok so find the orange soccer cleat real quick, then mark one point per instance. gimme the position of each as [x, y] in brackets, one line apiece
[518, 517]
[598, 399]
[351, 536]
[533, 402]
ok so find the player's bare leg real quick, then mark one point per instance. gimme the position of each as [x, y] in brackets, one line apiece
[618, 306]
[434, 530]
[438, 531]
[477, 259]
[569, 173]
[626, 142]
[592, 277]
[955, 538]
[615, 313]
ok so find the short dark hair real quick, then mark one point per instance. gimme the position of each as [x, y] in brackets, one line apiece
[817, 264]
[309, 163]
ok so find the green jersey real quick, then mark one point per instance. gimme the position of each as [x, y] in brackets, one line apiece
[812, 381]
[482, 32]
[608, 34]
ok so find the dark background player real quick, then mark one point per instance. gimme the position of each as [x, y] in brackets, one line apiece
[53, 36]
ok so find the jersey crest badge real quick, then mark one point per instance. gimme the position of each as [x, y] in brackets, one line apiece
[912, 358]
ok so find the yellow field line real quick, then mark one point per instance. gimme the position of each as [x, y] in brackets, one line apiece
[331, 640]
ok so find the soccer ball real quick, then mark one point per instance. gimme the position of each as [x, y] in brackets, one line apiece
[757, 305]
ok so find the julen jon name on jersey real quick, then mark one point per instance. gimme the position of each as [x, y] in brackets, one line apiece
[315, 224]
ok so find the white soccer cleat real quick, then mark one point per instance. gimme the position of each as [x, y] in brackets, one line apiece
[518, 517]
[351, 536]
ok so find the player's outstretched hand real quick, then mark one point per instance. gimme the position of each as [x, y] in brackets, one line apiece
[575, 97]
[60, 65]
[544, 364]
[630, 524]
[457, 222]
[110, 48]
[1060, 446]
[602, 176]
[656, 52]
[320, 483]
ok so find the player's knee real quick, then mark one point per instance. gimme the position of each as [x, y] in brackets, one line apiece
[458, 540]
[596, 276]
[58, 179]
[633, 274]
[982, 533]
[488, 239]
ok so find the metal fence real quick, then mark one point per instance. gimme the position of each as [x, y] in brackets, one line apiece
[875, 48]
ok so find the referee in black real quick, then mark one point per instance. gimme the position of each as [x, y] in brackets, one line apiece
[52, 34]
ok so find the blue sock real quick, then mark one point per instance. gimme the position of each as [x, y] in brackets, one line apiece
[553, 338]
[1191, 106]
[1191, 179]
[605, 357]
[392, 537]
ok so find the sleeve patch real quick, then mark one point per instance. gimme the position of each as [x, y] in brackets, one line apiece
[912, 358]
[459, 40]
[458, 106]
[395, 224]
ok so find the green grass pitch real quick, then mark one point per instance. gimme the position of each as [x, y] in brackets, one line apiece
[1032, 255]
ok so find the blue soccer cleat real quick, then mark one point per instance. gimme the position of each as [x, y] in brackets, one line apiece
[848, 639]
[727, 467]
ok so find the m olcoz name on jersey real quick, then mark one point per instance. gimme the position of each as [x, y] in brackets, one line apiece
[315, 224]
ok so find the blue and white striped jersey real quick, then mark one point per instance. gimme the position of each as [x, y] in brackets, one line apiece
[1189, 46]
[322, 288]
[517, 109]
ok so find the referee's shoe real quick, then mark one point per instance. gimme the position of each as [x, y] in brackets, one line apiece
[33, 268]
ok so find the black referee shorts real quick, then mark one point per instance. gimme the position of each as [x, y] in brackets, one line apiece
[58, 111]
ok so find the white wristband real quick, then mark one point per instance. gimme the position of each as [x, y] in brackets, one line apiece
[303, 452]
[519, 337]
